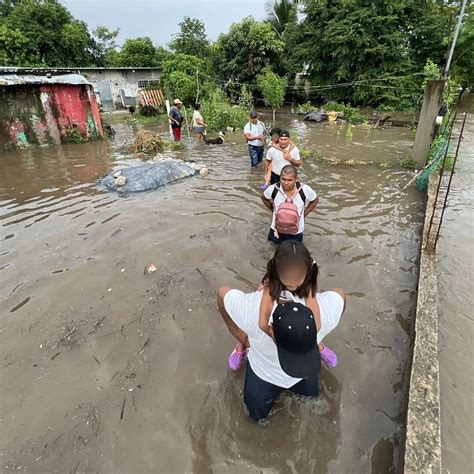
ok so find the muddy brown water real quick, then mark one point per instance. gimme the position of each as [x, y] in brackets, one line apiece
[107, 370]
[456, 300]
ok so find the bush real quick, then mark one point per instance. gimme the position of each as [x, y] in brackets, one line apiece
[307, 107]
[219, 114]
[352, 114]
[149, 111]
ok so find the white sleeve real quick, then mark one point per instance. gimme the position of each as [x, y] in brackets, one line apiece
[247, 128]
[296, 154]
[269, 155]
[235, 303]
[268, 192]
[310, 193]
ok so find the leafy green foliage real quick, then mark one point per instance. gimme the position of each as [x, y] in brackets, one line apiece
[179, 77]
[272, 87]
[352, 114]
[246, 50]
[191, 39]
[53, 37]
[138, 52]
[218, 113]
[280, 14]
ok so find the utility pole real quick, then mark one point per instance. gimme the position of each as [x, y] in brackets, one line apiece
[453, 44]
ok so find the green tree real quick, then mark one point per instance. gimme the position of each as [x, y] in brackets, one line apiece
[281, 13]
[138, 52]
[191, 39]
[273, 88]
[357, 45]
[179, 77]
[106, 45]
[13, 48]
[54, 37]
[246, 50]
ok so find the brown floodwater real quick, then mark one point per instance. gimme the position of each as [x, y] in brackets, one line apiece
[456, 300]
[105, 369]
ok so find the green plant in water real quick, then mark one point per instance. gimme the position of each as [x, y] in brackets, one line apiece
[306, 107]
[73, 135]
[349, 132]
[385, 165]
[219, 114]
[409, 164]
[352, 114]
[305, 153]
[176, 146]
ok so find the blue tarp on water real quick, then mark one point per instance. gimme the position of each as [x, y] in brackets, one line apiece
[146, 177]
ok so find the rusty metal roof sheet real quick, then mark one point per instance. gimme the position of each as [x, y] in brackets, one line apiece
[20, 79]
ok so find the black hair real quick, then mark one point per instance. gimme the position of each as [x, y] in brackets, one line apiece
[275, 131]
[291, 253]
[285, 132]
[197, 106]
[289, 169]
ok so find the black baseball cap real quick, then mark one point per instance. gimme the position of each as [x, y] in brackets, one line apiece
[254, 113]
[285, 133]
[295, 333]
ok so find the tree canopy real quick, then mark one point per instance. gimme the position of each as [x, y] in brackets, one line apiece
[356, 51]
[191, 39]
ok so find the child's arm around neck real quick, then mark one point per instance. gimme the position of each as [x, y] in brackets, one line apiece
[266, 306]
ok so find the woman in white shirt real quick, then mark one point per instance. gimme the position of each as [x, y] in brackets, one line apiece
[198, 123]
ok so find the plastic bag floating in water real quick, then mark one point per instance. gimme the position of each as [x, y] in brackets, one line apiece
[147, 177]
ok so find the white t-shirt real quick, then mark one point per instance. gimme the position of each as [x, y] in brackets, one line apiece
[278, 162]
[255, 130]
[309, 193]
[244, 308]
[196, 115]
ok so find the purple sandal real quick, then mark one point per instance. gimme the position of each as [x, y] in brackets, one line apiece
[329, 357]
[236, 359]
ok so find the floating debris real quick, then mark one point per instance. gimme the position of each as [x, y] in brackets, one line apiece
[150, 268]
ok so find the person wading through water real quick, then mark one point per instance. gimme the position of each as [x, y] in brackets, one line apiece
[176, 118]
[290, 202]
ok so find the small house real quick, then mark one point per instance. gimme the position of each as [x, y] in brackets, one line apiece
[46, 108]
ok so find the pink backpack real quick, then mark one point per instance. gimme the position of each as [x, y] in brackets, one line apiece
[287, 217]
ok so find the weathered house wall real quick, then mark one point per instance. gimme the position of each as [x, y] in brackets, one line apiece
[40, 114]
[129, 79]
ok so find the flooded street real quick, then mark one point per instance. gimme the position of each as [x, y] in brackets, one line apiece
[456, 300]
[107, 370]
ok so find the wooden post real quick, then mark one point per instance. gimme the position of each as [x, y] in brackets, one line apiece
[167, 103]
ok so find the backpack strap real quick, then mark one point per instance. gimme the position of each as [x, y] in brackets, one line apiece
[275, 191]
[298, 185]
[302, 194]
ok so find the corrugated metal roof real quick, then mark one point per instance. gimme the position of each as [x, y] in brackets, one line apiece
[16, 79]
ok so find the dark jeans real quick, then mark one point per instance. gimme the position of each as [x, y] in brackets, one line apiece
[256, 155]
[282, 237]
[275, 178]
[260, 396]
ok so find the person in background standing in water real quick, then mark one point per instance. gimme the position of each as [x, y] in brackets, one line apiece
[176, 119]
[253, 132]
[198, 123]
[290, 202]
[279, 157]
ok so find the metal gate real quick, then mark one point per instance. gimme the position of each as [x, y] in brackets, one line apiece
[104, 89]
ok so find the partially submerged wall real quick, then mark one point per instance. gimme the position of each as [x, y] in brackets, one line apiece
[34, 114]
[423, 435]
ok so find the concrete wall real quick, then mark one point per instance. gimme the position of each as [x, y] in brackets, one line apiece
[120, 79]
[34, 114]
[423, 435]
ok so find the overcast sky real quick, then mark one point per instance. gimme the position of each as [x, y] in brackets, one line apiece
[159, 19]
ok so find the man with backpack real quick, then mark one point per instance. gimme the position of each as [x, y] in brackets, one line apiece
[290, 201]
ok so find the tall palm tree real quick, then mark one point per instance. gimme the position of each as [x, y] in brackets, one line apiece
[280, 13]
